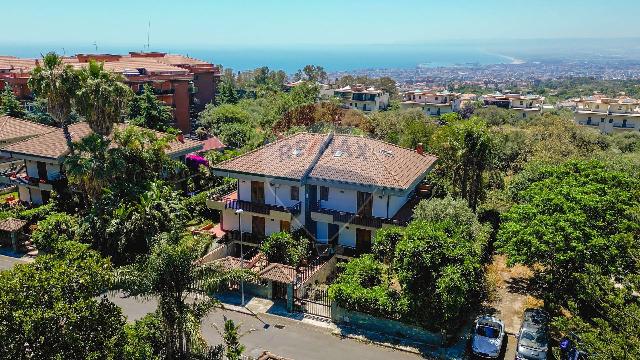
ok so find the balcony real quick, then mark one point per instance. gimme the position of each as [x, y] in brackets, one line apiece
[624, 126]
[247, 237]
[231, 201]
[335, 216]
[20, 177]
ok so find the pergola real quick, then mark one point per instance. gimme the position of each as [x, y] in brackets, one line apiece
[12, 226]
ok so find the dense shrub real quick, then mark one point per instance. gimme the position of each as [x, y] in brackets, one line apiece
[56, 228]
[363, 286]
[283, 248]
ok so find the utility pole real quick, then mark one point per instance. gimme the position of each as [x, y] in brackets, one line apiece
[239, 212]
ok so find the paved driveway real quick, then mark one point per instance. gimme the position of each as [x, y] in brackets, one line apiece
[7, 262]
[281, 336]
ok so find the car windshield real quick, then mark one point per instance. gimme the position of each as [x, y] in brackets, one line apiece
[488, 331]
[533, 339]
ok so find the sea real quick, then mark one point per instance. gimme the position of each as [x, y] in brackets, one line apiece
[290, 59]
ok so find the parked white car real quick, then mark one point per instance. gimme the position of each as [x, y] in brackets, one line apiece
[488, 337]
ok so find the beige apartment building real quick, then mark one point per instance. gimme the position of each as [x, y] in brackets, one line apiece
[608, 114]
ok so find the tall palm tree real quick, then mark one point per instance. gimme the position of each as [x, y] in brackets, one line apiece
[59, 84]
[171, 273]
[102, 98]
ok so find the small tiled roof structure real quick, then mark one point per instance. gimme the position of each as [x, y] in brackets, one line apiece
[340, 158]
[212, 143]
[14, 129]
[279, 273]
[12, 224]
[229, 263]
[52, 145]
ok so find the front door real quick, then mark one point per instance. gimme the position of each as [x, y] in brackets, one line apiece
[285, 226]
[363, 241]
[365, 204]
[257, 225]
[257, 192]
[333, 232]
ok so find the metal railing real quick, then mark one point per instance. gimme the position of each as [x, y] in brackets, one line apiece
[353, 218]
[258, 208]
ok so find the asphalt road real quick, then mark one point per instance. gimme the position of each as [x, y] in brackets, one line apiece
[281, 336]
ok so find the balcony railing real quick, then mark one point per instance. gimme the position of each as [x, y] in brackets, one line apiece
[247, 237]
[355, 219]
[235, 204]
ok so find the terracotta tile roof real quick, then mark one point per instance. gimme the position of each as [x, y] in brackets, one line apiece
[361, 160]
[13, 128]
[288, 158]
[212, 143]
[12, 225]
[343, 158]
[229, 263]
[278, 273]
[53, 145]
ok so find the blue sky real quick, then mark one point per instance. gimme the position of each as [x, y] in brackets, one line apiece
[192, 23]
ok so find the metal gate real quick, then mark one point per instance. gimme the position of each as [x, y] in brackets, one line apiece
[313, 301]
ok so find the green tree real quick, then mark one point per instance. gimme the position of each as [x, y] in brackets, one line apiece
[439, 270]
[148, 111]
[227, 93]
[283, 248]
[569, 216]
[55, 229]
[102, 98]
[59, 84]
[464, 149]
[231, 338]
[170, 273]
[9, 103]
[50, 310]
[312, 73]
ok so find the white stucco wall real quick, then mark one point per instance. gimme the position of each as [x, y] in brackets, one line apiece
[32, 168]
[23, 191]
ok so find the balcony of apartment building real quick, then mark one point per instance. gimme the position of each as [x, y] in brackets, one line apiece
[257, 205]
[624, 125]
[363, 216]
[15, 173]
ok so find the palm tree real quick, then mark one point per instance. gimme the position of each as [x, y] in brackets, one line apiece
[102, 98]
[58, 83]
[171, 273]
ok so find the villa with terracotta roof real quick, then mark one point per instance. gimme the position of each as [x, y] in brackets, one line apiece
[178, 81]
[434, 103]
[33, 155]
[340, 188]
[608, 114]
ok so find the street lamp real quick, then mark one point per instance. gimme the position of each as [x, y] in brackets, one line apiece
[239, 213]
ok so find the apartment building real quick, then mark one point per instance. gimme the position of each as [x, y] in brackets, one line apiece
[527, 105]
[178, 81]
[340, 188]
[360, 97]
[32, 155]
[608, 114]
[434, 103]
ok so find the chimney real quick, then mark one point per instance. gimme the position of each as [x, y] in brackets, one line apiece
[181, 138]
[420, 149]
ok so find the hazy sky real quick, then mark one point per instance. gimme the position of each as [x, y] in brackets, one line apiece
[191, 23]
